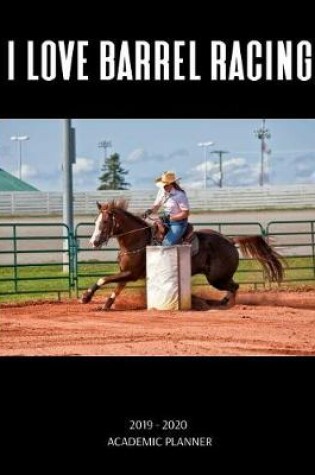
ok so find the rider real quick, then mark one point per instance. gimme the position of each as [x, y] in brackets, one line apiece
[176, 207]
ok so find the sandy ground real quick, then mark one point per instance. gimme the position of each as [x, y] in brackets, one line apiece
[261, 323]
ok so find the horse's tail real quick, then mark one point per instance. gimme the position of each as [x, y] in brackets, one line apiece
[256, 247]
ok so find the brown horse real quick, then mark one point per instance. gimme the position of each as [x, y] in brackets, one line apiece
[217, 257]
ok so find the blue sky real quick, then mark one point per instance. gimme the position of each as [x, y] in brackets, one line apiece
[147, 147]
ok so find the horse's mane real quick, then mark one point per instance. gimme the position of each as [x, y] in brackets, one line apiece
[122, 204]
[119, 203]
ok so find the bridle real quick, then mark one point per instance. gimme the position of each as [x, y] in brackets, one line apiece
[106, 232]
[109, 230]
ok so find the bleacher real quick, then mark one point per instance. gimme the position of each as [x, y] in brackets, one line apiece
[217, 199]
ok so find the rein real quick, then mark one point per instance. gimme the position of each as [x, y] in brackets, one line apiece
[135, 251]
[129, 232]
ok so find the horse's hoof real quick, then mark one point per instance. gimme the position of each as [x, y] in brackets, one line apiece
[227, 302]
[107, 305]
[104, 308]
[86, 297]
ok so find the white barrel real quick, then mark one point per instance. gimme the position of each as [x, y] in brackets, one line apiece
[168, 277]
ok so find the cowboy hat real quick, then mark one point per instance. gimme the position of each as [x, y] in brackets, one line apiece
[167, 178]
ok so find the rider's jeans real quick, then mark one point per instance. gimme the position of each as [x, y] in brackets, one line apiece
[175, 232]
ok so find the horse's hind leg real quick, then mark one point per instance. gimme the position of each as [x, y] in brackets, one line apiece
[231, 287]
[114, 295]
[229, 300]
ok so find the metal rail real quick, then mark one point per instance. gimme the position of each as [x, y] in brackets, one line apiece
[45, 259]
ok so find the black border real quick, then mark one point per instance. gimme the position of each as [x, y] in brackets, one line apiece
[62, 408]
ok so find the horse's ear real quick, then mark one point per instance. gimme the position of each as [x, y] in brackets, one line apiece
[98, 204]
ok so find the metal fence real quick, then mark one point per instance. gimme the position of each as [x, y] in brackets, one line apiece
[36, 259]
[296, 242]
[44, 258]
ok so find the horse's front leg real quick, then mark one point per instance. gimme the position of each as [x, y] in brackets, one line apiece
[122, 278]
[87, 296]
[114, 295]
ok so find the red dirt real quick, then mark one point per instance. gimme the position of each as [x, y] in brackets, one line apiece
[261, 323]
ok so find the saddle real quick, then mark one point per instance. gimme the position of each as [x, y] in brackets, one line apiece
[189, 238]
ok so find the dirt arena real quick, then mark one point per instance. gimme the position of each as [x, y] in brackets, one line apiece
[261, 323]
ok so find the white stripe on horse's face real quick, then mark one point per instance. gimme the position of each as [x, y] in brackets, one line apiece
[95, 239]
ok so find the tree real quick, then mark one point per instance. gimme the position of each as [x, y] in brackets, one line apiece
[113, 176]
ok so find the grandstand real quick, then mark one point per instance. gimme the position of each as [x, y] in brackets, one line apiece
[224, 199]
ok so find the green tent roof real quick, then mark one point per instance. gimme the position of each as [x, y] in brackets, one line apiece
[9, 182]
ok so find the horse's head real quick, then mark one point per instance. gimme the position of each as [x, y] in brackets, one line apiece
[106, 224]
[115, 221]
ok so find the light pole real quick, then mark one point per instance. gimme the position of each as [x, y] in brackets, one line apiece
[205, 146]
[262, 134]
[69, 148]
[220, 153]
[20, 139]
[105, 144]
